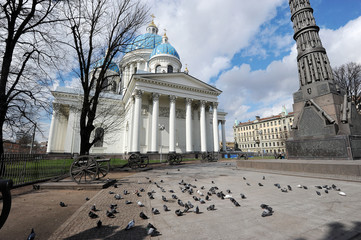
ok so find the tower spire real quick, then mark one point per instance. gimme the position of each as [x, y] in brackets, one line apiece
[312, 60]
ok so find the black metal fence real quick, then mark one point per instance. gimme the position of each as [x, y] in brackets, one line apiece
[30, 168]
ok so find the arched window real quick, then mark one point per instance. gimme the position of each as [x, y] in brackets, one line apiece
[99, 137]
[170, 68]
[114, 86]
[157, 69]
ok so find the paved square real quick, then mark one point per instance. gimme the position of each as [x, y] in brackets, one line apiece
[298, 214]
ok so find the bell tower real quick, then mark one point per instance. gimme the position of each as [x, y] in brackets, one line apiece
[326, 124]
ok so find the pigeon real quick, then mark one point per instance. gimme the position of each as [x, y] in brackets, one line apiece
[195, 198]
[304, 187]
[147, 177]
[284, 190]
[113, 210]
[190, 205]
[267, 210]
[178, 212]
[165, 208]
[113, 206]
[248, 184]
[125, 192]
[200, 193]
[140, 204]
[202, 201]
[155, 211]
[115, 185]
[150, 195]
[111, 192]
[195, 180]
[180, 203]
[289, 187]
[186, 208]
[202, 187]
[212, 182]
[142, 215]
[161, 180]
[299, 186]
[62, 204]
[174, 196]
[128, 202]
[142, 190]
[138, 194]
[99, 224]
[117, 196]
[207, 198]
[264, 178]
[260, 184]
[130, 225]
[228, 191]
[110, 214]
[326, 191]
[318, 193]
[171, 191]
[93, 208]
[87, 199]
[243, 196]
[151, 230]
[211, 207]
[196, 210]
[228, 196]
[92, 215]
[178, 169]
[342, 193]
[244, 178]
[319, 187]
[164, 199]
[277, 185]
[31, 235]
[235, 202]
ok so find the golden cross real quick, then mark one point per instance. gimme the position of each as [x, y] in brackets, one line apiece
[152, 17]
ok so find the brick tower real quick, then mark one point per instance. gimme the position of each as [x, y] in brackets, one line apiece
[326, 124]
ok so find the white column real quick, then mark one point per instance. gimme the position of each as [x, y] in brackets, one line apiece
[146, 66]
[224, 143]
[136, 123]
[138, 66]
[189, 142]
[68, 145]
[155, 121]
[172, 100]
[215, 128]
[203, 126]
[53, 126]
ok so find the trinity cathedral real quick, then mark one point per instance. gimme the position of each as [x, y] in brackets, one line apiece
[155, 106]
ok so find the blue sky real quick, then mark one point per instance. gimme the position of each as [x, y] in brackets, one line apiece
[246, 48]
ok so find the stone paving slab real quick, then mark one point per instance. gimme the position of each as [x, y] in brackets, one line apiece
[298, 214]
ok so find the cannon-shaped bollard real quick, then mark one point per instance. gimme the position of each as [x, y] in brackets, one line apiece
[5, 187]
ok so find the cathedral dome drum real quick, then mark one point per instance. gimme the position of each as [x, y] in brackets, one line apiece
[112, 66]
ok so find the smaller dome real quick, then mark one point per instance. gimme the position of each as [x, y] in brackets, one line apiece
[164, 48]
[112, 66]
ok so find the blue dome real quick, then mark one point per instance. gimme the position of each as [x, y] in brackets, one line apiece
[164, 48]
[144, 41]
[112, 66]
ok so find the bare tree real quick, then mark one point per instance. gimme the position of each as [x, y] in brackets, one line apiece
[348, 77]
[26, 50]
[99, 29]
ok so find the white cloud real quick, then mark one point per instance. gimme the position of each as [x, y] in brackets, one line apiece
[207, 31]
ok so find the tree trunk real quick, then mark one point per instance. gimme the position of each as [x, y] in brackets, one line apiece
[2, 164]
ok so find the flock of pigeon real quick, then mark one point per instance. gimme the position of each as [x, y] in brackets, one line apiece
[200, 196]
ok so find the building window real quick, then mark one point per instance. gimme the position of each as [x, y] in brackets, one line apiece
[170, 68]
[157, 69]
[135, 70]
[99, 137]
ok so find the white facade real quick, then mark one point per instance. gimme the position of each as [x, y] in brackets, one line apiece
[154, 108]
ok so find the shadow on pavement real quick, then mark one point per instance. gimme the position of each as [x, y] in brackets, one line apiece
[338, 231]
[110, 233]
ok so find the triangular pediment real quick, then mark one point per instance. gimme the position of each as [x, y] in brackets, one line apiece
[180, 80]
